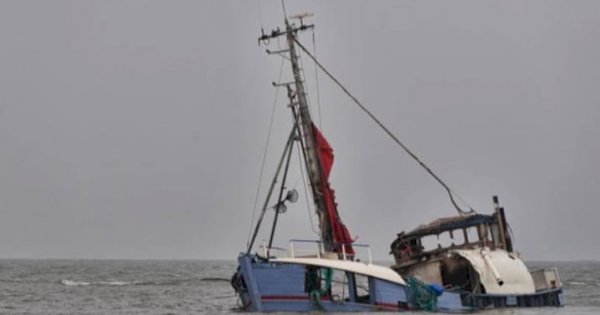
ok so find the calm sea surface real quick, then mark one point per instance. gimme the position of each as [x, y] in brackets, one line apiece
[189, 287]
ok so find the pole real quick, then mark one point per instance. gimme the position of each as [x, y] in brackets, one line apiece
[285, 172]
[312, 159]
[288, 146]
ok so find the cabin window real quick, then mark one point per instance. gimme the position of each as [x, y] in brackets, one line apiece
[445, 239]
[339, 286]
[362, 288]
[312, 280]
[430, 242]
[326, 282]
[415, 246]
[458, 237]
[472, 235]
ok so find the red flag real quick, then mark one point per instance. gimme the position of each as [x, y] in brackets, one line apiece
[341, 235]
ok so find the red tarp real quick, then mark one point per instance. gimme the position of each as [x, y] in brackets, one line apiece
[339, 230]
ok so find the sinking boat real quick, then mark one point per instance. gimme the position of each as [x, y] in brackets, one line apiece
[328, 275]
[332, 273]
[472, 254]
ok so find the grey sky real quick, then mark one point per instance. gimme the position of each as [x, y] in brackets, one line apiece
[135, 129]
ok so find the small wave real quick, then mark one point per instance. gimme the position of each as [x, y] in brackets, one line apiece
[118, 283]
[73, 283]
[215, 279]
[575, 283]
[84, 283]
[162, 282]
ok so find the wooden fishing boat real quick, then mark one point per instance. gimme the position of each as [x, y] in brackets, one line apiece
[336, 274]
[330, 276]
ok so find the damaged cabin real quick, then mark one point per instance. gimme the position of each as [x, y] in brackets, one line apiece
[469, 253]
[428, 251]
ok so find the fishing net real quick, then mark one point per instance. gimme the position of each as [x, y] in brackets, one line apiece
[422, 295]
[315, 295]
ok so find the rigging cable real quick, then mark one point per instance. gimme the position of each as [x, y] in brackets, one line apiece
[264, 158]
[449, 190]
[317, 81]
[283, 8]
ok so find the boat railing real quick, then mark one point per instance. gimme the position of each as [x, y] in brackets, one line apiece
[274, 251]
[546, 278]
[296, 250]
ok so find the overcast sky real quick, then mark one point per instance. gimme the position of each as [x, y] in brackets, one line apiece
[135, 129]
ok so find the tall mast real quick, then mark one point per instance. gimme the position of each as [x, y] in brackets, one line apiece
[310, 149]
[312, 159]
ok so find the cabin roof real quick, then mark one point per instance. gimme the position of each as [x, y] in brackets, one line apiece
[371, 270]
[448, 223]
[513, 271]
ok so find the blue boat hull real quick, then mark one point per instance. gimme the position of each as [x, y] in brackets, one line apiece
[266, 286]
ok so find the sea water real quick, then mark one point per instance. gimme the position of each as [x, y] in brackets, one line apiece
[191, 287]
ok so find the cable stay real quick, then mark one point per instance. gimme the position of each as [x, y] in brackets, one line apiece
[317, 81]
[264, 157]
[449, 190]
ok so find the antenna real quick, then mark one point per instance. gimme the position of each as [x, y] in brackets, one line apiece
[301, 17]
[283, 8]
[292, 29]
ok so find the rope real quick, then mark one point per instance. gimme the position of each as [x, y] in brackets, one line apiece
[317, 81]
[264, 158]
[450, 192]
[510, 231]
[283, 8]
[315, 295]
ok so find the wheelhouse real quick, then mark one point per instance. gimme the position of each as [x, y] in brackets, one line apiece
[445, 234]
[473, 255]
